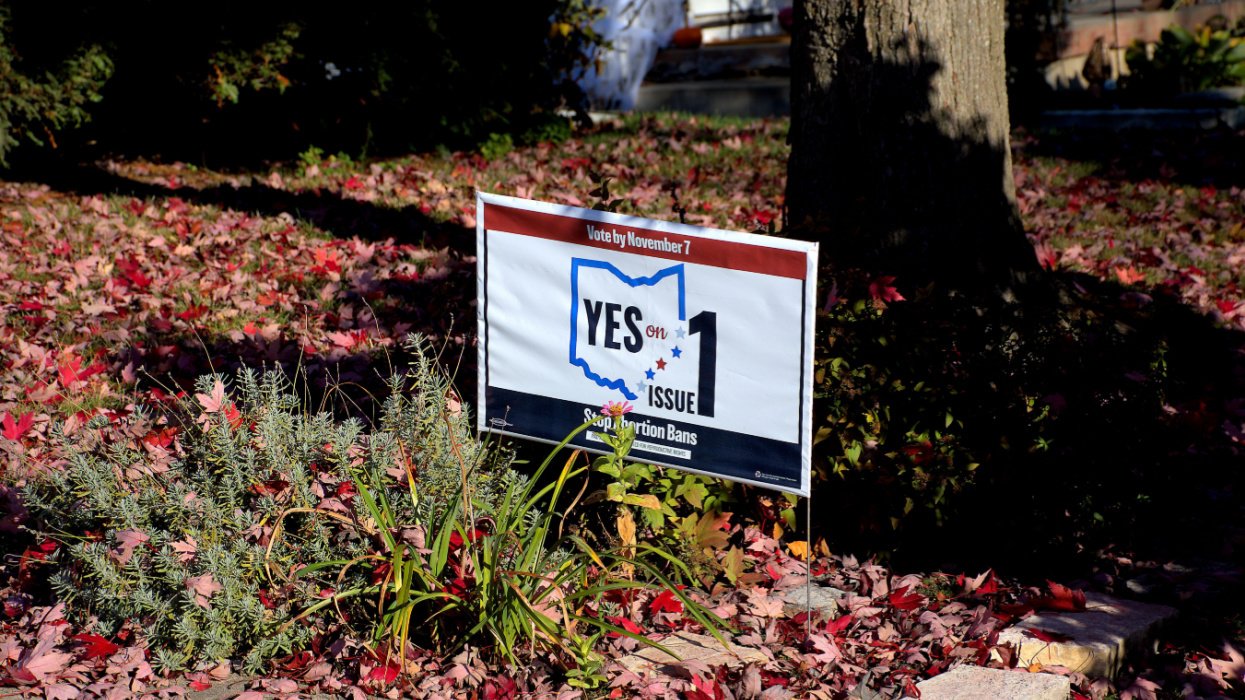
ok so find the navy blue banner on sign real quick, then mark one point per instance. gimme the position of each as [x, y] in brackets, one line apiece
[708, 334]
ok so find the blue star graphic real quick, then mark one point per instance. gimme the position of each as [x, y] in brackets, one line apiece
[676, 351]
[641, 386]
[679, 332]
[650, 374]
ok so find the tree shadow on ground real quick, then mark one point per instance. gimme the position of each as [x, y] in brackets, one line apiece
[1001, 415]
[340, 216]
[350, 381]
[1195, 157]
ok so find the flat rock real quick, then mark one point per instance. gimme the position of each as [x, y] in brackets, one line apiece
[235, 685]
[825, 600]
[977, 683]
[688, 647]
[1094, 641]
[230, 687]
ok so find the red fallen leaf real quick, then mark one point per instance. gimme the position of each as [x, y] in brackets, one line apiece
[354, 183]
[666, 601]
[96, 646]
[625, 624]
[882, 290]
[1062, 598]
[326, 261]
[381, 572]
[706, 689]
[193, 312]
[838, 625]
[346, 489]
[769, 679]
[30, 305]
[1226, 306]
[773, 573]
[1048, 637]
[160, 438]
[42, 550]
[385, 673]
[267, 602]
[456, 538]
[199, 686]
[295, 662]
[1129, 275]
[233, 416]
[623, 597]
[458, 587]
[132, 274]
[70, 373]
[16, 429]
[983, 584]
[903, 600]
[270, 487]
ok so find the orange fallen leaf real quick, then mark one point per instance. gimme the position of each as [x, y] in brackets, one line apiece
[799, 550]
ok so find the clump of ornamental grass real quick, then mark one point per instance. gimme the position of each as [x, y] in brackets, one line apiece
[504, 576]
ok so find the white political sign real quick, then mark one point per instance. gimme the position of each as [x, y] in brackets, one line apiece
[707, 333]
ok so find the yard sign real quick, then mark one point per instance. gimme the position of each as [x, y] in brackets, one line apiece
[708, 333]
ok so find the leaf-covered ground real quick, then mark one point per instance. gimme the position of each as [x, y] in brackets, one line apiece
[121, 283]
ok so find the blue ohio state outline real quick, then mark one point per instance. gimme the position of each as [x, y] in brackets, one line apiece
[576, 263]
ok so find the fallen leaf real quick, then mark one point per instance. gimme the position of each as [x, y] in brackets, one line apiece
[799, 549]
[127, 540]
[204, 588]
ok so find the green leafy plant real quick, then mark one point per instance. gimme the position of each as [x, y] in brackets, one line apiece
[233, 68]
[1187, 61]
[497, 146]
[505, 576]
[682, 511]
[35, 104]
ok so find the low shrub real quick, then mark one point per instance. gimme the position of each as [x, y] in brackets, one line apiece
[937, 415]
[170, 528]
[254, 526]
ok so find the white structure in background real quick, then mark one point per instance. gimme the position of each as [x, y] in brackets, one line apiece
[726, 20]
[638, 28]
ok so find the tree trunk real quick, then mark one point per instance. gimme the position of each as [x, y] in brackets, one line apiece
[900, 157]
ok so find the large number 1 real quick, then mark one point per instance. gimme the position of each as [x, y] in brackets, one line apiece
[706, 324]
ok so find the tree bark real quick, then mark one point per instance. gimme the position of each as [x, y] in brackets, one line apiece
[900, 155]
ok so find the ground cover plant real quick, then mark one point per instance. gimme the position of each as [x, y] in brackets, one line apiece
[121, 285]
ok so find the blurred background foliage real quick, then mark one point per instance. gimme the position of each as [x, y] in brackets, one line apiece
[247, 81]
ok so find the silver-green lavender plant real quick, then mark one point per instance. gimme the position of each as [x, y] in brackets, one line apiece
[174, 537]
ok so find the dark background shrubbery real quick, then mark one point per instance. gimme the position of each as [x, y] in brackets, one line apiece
[244, 81]
[963, 432]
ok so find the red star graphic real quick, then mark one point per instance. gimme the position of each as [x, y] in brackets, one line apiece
[661, 364]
